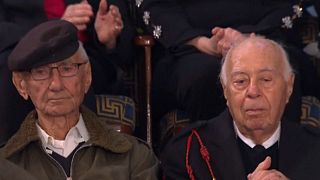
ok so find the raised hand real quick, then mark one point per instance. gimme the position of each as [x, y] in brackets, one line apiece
[225, 38]
[108, 24]
[78, 14]
[262, 172]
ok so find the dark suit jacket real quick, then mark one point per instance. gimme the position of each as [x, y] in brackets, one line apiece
[299, 149]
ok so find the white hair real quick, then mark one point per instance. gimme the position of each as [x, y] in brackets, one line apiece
[82, 52]
[287, 71]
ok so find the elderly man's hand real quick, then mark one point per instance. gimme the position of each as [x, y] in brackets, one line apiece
[262, 172]
[78, 14]
[108, 24]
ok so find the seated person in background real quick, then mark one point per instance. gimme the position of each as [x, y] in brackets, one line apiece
[250, 139]
[104, 28]
[10, 171]
[52, 68]
[187, 77]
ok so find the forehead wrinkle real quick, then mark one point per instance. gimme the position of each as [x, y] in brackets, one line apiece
[239, 71]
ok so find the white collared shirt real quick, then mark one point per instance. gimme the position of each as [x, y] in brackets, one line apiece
[76, 135]
[266, 144]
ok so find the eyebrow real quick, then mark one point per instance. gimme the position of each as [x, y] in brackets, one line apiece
[239, 72]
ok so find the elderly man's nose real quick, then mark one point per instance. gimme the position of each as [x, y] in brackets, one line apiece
[55, 79]
[253, 90]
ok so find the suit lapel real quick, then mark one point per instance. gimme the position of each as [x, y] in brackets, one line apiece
[290, 148]
[226, 157]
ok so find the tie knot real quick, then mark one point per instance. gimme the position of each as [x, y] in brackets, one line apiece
[258, 149]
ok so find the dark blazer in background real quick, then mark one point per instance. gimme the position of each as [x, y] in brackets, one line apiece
[188, 79]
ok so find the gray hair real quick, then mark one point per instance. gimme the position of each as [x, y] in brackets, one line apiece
[288, 70]
[82, 52]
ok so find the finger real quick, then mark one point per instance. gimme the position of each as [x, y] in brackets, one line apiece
[78, 10]
[264, 165]
[115, 11]
[118, 22]
[79, 20]
[219, 36]
[260, 169]
[252, 34]
[263, 174]
[271, 174]
[216, 30]
[103, 7]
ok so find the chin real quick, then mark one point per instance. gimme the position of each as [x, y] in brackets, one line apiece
[59, 111]
[257, 123]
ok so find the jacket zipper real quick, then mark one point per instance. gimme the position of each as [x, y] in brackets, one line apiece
[58, 164]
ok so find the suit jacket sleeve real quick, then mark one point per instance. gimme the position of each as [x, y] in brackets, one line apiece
[176, 29]
[179, 20]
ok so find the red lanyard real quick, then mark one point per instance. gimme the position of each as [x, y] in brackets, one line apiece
[203, 151]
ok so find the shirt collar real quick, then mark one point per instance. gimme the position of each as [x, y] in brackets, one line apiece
[266, 144]
[76, 135]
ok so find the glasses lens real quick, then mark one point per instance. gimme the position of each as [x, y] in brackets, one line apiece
[40, 73]
[67, 70]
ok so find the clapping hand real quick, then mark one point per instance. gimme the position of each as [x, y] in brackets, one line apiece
[78, 14]
[108, 24]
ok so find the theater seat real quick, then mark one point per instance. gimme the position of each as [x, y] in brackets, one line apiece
[118, 112]
[310, 111]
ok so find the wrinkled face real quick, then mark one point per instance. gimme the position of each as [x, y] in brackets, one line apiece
[256, 90]
[56, 96]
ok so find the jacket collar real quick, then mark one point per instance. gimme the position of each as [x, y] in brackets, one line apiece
[100, 135]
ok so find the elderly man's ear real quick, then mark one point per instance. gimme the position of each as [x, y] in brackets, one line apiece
[88, 77]
[20, 84]
[290, 86]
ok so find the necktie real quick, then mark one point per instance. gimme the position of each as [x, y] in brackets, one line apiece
[258, 154]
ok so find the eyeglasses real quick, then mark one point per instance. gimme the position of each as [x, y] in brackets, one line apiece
[65, 70]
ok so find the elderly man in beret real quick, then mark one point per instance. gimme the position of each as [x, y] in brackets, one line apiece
[105, 29]
[250, 140]
[61, 138]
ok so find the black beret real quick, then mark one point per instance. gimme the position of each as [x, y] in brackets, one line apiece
[49, 42]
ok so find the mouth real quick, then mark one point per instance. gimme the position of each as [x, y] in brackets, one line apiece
[254, 112]
[56, 99]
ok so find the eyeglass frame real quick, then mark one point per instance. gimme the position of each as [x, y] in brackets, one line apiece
[58, 67]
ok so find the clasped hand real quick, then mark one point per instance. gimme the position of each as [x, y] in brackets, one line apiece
[262, 172]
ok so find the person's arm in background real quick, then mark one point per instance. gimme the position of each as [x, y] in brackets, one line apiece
[175, 28]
